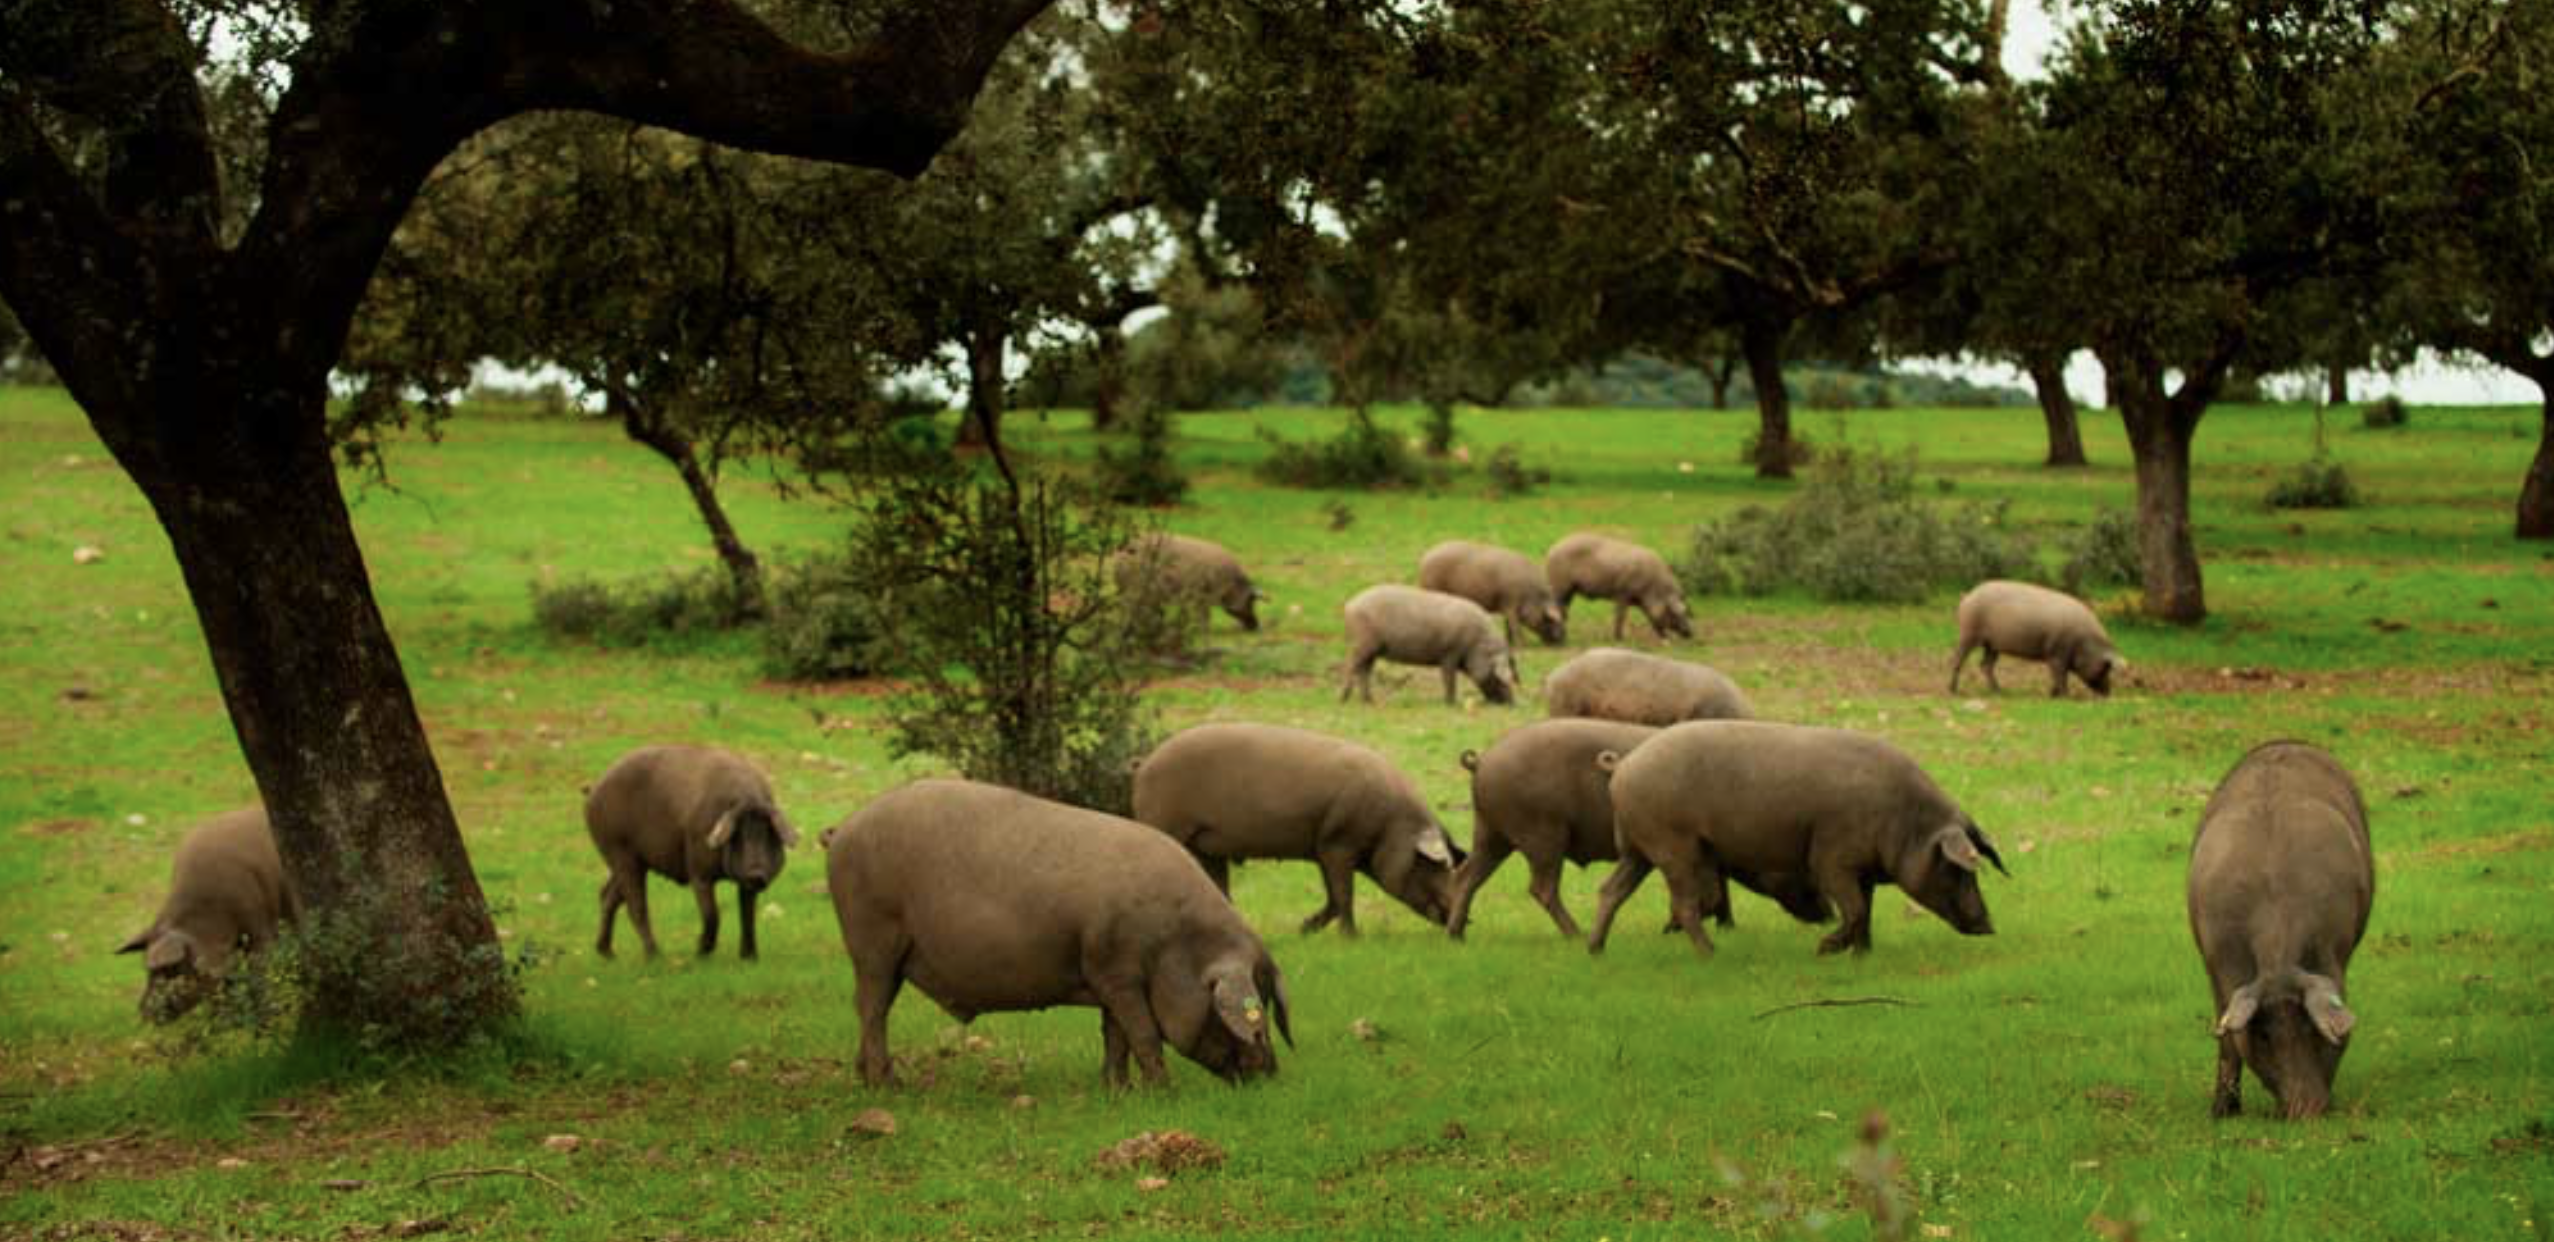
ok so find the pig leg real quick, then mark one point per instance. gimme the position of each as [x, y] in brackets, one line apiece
[611, 907]
[1545, 885]
[1986, 665]
[1361, 674]
[1218, 869]
[1618, 888]
[745, 918]
[1619, 609]
[1850, 894]
[1445, 672]
[1960, 660]
[632, 881]
[1489, 849]
[705, 894]
[877, 976]
[1113, 1059]
[1689, 882]
[1339, 883]
[2229, 1098]
[1122, 999]
[2060, 659]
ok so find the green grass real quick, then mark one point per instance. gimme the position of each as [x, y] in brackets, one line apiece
[2042, 1078]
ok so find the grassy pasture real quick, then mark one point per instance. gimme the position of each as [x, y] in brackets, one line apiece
[2037, 1083]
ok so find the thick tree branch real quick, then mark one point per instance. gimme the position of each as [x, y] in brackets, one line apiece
[127, 67]
[64, 269]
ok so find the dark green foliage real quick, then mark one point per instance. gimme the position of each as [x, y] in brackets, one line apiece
[824, 625]
[2385, 413]
[1857, 532]
[1802, 452]
[1508, 474]
[1143, 472]
[2103, 554]
[1009, 626]
[640, 611]
[2319, 482]
[1362, 456]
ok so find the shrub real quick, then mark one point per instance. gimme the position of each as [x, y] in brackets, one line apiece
[1019, 651]
[1802, 452]
[1362, 456]
[2384, 413]
[1508, 474]
[2104, 553]
[824, 623]
[2319, 482]
[1145, 472]
[1855, 532]
[638, 612]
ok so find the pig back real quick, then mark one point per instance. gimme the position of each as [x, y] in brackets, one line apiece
[227, 871]
[2282, 861]
[1261, 791]
[1546, 773]
[1763, 795]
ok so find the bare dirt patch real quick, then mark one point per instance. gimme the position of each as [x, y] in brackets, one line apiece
[2522, 841]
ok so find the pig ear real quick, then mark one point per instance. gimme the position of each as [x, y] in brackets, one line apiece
[1277, 992]
[2323, 1004]
[141, 940]
[1955, 846]
[1433, 846]
[2239, 1009]
[170, 951]
[780, 824]
[1977, 837]
[1239, 1008]
[719, 832]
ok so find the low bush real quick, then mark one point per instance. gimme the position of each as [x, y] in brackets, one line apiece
[2103, 554]
[1142, 472]
[1362, 456]
[1508, 475]
[825, 624]
[2319, 482]
[1855, 532]
[2385, 413]
[1800, 450]
[638, 612]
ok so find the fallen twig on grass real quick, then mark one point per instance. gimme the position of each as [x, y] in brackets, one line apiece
[1846, 1002]
[506, 1170]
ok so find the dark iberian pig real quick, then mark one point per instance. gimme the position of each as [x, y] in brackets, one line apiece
[695, 815]
[2035, 623]
[1710, 797]
[227, 894]
[990, 900]
[2280, 886]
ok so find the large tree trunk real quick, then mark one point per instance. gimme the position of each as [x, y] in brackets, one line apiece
[648, 426]
[400, 942]
[2057, 408]
[1762, 341]
[2160, 427]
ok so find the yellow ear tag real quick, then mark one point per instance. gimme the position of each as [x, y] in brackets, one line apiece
[1250, 1011]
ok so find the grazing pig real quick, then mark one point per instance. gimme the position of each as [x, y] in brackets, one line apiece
[1539, 792]
[1610, 683]
[1704, 799]
[1407, 625]
[227, 893]
[1229, 791]
[695, 815]
[1627, 573]
[2280, 885]
[1177, 567]
[1508, 584]
[2035, 623]
[991, 900]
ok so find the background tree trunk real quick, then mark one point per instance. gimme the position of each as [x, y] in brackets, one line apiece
[2536, 496]
[400, 939]
[1762, 341]
[644, 425]
[2057, 408]
[1108, 378]
[1720, 371]
[2336, 384]
[982, 427]
[2160, 437]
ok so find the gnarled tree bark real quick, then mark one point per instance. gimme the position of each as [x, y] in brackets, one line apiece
[2057, 409]
[2161, 423]
[204, 368]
